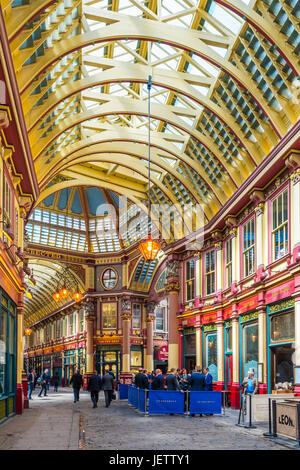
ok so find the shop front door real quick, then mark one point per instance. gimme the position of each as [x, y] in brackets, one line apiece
[282, 367]
[109, 360]
[190, 363]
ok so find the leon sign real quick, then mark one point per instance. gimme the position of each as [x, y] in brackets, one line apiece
[287, 420]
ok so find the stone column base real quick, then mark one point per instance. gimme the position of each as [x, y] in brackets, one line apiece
[235, 396]
[19, 399]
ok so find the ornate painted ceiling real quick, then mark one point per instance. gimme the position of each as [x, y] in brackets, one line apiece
[222, 73]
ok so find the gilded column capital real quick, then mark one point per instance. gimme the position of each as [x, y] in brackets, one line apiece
[172, 286]
[150, 307]
[150, 317]
[126, 315]
[295, 176]
[259, 209]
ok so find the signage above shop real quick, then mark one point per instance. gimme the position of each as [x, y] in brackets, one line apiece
[248, 305]
[163, 353]
[280, 292]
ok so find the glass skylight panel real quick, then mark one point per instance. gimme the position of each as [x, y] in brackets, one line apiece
[229, 19]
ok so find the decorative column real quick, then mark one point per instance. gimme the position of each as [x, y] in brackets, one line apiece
[150, 308]
[295, 204]
[172, 288]
[297, 340]
[20, 393]
[262, 342]
[220, 351]
[180, 347]
[219, 268]
[199, 345]
[235, 393]
[90, 317]
[126, 325]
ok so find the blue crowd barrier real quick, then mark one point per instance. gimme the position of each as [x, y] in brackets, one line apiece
[142, 399]
[123, 392]
[135, 397]
[130, 395]
[166, 402]
[205, 402]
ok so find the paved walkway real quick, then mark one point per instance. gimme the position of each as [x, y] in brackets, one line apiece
[56, 423]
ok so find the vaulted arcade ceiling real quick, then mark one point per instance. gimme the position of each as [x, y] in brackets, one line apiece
[223, 76]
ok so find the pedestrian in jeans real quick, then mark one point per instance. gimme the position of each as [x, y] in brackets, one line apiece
[77, 382]
[31, 377]
[108, 387]
[55, 381]
[249, 387]
[44, 383]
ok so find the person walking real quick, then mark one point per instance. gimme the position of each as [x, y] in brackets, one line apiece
[55, 381]
[158, 381]
[94, 386]
[48, 381]
[108, 387]
[43, 381]
[31, 377]
[208, 386]
[77, 382]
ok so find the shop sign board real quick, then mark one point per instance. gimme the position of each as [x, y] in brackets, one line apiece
[163, 353]
[208, 318]
[280, 292]
[287, 420]
[248, 305]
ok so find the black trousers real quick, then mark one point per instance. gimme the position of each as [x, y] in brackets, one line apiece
[95, 397]
[44, 387]
[108, 397]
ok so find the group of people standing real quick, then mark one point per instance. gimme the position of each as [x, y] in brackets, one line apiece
[199, 380]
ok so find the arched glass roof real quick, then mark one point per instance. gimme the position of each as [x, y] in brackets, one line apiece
[223, 73]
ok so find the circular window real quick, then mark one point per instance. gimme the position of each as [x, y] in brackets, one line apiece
[109, 278]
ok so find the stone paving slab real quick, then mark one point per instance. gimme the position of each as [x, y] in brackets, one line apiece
[56, 423]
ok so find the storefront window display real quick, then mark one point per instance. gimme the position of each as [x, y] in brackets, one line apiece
[211, 359]
[109, 316]
[7, 355]
[250, 348]
[283, 327]
[136, 316]
[136, 357]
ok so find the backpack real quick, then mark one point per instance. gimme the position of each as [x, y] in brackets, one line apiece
[40, 379]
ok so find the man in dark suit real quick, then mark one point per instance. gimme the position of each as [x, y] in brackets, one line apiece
[208, 381]
[158, 381]
[77, 382]
[197, 382]
[138, 380]
[145, 381]
[108, 387]
[172, 382]
[94, 386]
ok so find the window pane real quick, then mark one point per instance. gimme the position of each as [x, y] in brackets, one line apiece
[250, 348]
[109, 315]
[211, 355]
[3, 351]
[283, 327]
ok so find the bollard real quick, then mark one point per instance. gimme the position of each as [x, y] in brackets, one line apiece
[269, 434]
[250, 425]
[186, 398]
[274, 418]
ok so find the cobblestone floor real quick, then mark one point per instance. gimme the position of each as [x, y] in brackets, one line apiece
[56, 423]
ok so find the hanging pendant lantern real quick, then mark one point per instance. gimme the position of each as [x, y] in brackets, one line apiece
[56, 296]
[149, 248]
[64, 292]
[77, 296]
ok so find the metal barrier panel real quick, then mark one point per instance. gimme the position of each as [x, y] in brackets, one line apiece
[123, 392]
[142, 399]
[166, 402]
[206, 402]
[135, 398]
[130, 395]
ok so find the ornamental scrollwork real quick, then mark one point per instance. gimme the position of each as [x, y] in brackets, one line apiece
[172, 268]
[249, 316]
[126, 305]
[282, 306]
